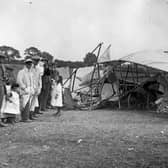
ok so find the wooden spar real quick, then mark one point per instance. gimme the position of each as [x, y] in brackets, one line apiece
[126, 78]
[91, 85]
[127, 73]
[100, 44]
[80, 88]
[70, 76]
[98, 68]
[121, 73]
[94, 69]
[74, 80]
[133, 77]
[136, 66]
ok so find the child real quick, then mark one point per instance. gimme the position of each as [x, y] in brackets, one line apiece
[12, 103]
[58, 99]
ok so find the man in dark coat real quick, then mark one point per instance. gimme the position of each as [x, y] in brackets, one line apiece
[2, 84]
[46, 85]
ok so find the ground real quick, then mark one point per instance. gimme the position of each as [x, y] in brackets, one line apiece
[87, 139]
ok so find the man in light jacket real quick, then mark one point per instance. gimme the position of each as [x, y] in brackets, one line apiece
[25, 81]
[37, 74]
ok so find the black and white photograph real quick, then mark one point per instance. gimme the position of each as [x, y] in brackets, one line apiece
[84, 84]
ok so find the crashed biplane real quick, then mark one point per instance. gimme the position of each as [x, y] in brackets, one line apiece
[138, 79]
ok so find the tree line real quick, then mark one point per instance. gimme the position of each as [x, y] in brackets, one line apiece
[13, 54]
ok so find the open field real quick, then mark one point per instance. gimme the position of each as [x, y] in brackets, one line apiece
[87, 139]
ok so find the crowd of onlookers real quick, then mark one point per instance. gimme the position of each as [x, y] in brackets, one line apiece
[35, 88]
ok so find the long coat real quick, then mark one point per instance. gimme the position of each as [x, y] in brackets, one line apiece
[2, 86]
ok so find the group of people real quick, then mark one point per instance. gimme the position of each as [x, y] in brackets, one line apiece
[35, 88]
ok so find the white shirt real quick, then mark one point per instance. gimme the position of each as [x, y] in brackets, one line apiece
[25, 81]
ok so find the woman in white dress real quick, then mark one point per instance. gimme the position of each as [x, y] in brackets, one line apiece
[57, 95]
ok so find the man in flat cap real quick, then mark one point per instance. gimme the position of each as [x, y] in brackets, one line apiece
[25, 81]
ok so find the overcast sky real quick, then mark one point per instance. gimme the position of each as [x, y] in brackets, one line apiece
[68, 29]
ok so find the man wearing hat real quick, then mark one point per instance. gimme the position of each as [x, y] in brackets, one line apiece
[37, 71]
[25, 81]
[2, 85]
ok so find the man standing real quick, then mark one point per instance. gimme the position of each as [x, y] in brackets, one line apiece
[25, 81]
[2, 85]
[37, 74]
[46, 85]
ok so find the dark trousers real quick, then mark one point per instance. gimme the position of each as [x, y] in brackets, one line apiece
[43, 98]
[2, 92]
[25, 113]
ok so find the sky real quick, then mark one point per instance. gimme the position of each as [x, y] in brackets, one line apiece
[68, 29]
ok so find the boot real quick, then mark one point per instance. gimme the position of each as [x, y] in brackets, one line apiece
[37, 110]
[35, 115]
[31, 116]
[58, 112]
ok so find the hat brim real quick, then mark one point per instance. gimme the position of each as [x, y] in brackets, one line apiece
[27, 61]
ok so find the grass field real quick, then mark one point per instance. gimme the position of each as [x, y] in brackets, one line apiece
[87, 139]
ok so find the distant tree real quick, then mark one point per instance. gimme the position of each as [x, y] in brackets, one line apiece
[32, 51]
[10, 52]
[61, 63]
[90, 58]
[47, 56]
